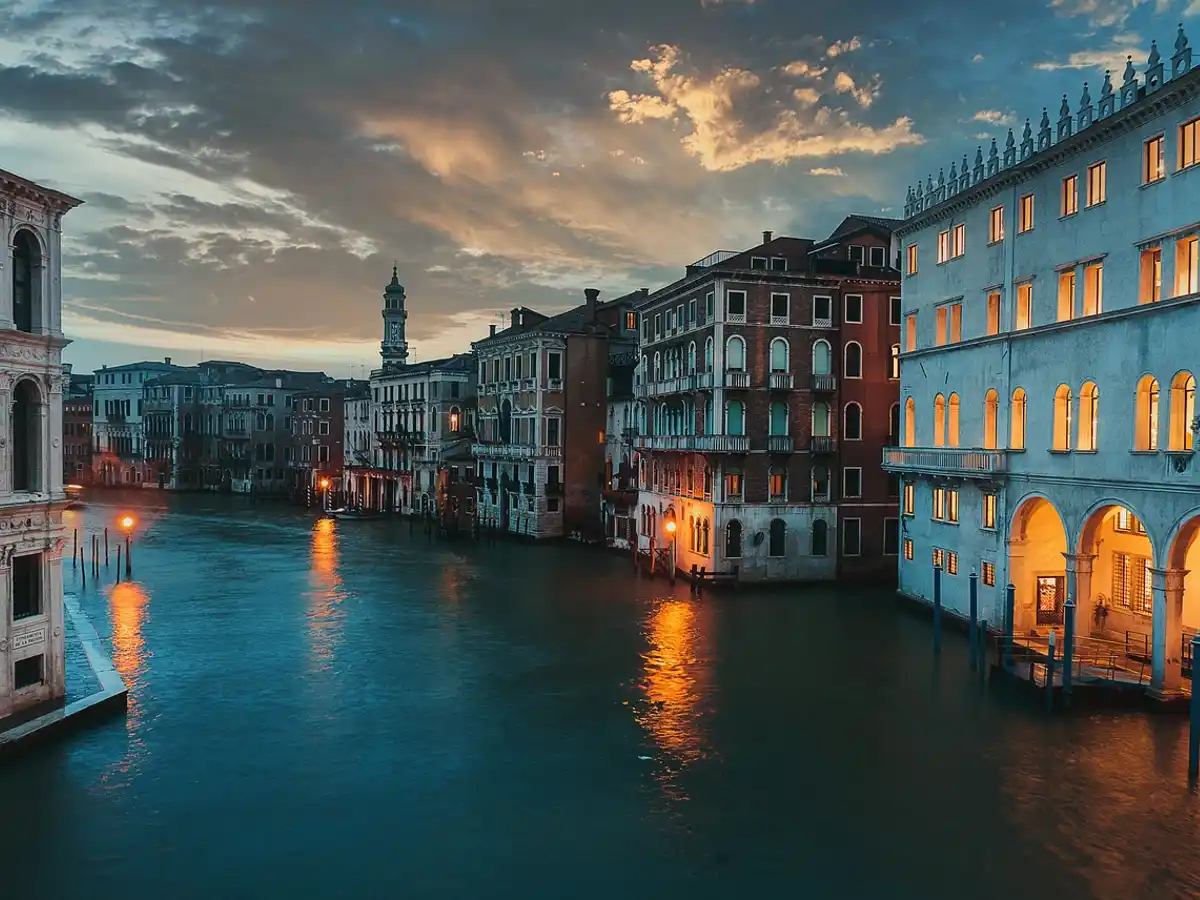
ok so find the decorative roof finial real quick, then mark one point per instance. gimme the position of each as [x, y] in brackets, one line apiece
[1086, 99]
[1045, 117]
[1181, 40]
[1065, 110]
[1130, 71]
[1107, 89]
[1154, 57]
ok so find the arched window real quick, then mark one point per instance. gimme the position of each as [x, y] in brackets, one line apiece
[704, 534]
[26, 437]
[952, 422]
[735, 417]
[735, 354]
[1146, 435]
[779, 418]
[895, 370]
[692, 533]
[822, 358]
[1183, 411]
[25, 264]
[657, 366]
[820, 419]
[506, 422]
[733, 539]
[260, 422]
[939, 421]
[820, 483]
[644, 370]
[270, 421]
[708, 355]
[1089, 411]
[777, 538]
[894, 425]
[991, 415]
[454, 421]
[820, 538]
[852, 429]
[852, 367]
[779, 355]
[910, 423]
[691, 358]
[1016, 439]
[1062, 417]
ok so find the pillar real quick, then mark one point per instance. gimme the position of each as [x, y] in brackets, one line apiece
[1023, 612]
[1079, 588]
[1167, 629]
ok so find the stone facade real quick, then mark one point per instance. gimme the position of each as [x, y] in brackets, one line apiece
[31, 461]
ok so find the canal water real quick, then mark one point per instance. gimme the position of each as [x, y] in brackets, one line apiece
[342, 710]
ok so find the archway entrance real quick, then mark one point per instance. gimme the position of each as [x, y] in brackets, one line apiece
[1037, 550]
[1182, 594]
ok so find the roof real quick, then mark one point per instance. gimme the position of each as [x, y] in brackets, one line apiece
[142, 366]
[577, 320]
[10, 181]
[856, 224]
[183, 376]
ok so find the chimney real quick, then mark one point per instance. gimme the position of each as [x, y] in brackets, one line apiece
[514, 317]
[168, 359]
[645, 292]
[491, 331]
[767, 237]
[591, 294]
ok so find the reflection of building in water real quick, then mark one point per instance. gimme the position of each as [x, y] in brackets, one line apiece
[325, 593]
[677, 679]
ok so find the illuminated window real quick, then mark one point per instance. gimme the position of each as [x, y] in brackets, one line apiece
[1183, 411]
[1093, 289]
[908, 549]
[1154, 166]
[1189, 144]
[1097, 175]
[910, 498]
[1062, 418]
[991, 416]
[955, 324]
[943, 246]
[895, 369]
[1150, 282]
[911, 259]
[1127, 523]
[1089, 410]
[1146, 431]
[952, 421]
[1017, 436]
[958, 241]
[945, 505]
[987, 572]
[996, 225]
[910, 333]
[910, 423]
[1066, 295]
[1024, 306]
[1131, 585]
[940, 320]
[939, 557]
[1025, 214]
[1070, 196]
[993, 313]
[951, 562]
[988, 519]
[939, 421]
[1187, 266]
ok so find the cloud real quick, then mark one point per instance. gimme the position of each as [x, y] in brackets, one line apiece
[993, 117]
[865, 95]
[724, 142]
[838, 48]
[806, 96]
[801, 69]
[834, 172]
[978, 57]
[1112, 57]
[1106, 13]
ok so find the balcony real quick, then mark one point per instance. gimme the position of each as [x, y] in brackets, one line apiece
[781, 381]
[737, 379]
[779, 443]
[704, 381]
[824, 384]
[694, 443]
[487, 450]
[554, 384]
[965, 463]
[822, 322]
[820, 443]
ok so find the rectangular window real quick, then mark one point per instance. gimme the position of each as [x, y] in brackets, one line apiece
[778, 484]
[1097, 176]
[951, 562]
[1131, 586]
[855, 253]
[1127, 523]
[733, 485]
[910, 498]
[955, 324]
[630, 321]
[780, 305]
[854, 309]
[852, 482]
[323, 427]
[1189, 144]
[1093, 289]
[993, 312]
[554, 366]
[996, 225]
[709, 301]
[1187, 265]
[823, 312]
[908, 549]
[1150, 276]
[945, 505]
[1070, 195]
[911, 259]
[691, 319]
[891, 537]
[735, 306]
[324, 404]
[988, 504]
[657, 325]
[951, 506]
[1025, 214]
[1154, 166]
[26, 576]
[323, 454]
[959, 240]
[1066, 295]
[758, 262]
[1024, 317]
[851, 537]
[987, 573]
[939, 557]
[939, 504]
[940, 320]
[878, 257]
[910, 333]
[894, 314]
[552, 428]
[943, 246]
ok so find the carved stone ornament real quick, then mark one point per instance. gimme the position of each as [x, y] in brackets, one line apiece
[1195, 426]
[54, 443]
[3, 645]
[57, 631]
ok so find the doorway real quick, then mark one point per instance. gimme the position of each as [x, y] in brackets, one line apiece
[1051, 596]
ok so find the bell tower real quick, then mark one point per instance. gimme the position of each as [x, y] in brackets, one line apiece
[394, 349]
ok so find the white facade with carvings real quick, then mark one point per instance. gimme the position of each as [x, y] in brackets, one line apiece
[31, 490]
[1051, 307]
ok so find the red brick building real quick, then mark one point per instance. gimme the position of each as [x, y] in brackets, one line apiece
[77, 440]
[316, 456]
[768, 389]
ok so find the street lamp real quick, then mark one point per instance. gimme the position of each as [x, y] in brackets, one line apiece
[670, 526]
[127, 524]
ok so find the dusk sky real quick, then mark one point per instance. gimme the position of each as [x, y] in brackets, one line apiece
[251, 168]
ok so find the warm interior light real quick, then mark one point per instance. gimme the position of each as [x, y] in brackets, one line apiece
[324, 483]
[127, 522]
[670, 527]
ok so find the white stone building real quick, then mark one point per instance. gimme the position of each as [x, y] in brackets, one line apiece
[31, 490]
[119, 457]
[1051, 298]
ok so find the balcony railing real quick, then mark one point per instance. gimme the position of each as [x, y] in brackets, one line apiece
[704, 380]
[779, 443]
[946, 461]
[824, 384]
[694, 443]
[737, 379]
[514, 451]
[819, 443]
[822, 322]
[781, 381]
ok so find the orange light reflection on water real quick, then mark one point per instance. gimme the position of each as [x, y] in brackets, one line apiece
[128, 605]
[325, 594]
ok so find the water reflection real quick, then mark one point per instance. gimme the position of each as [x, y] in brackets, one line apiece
[128, 605]
[325, 595]
[677, 676]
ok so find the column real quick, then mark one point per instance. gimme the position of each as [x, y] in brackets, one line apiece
[5, 631]
[1167, 630]
[1079, 588]
[54, 660]
[1023, 600]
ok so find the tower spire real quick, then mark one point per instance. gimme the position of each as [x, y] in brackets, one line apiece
[393, 350]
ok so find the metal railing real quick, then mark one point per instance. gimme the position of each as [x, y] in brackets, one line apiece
[820, 444]
[737, 379]
[715, 258]
[781, 381]
[825, 384]
[694, 443]
[945, 460]
[779, 443]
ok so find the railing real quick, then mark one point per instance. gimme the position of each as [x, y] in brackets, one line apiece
[554, 384]
[781, 381]
[694, 443]
[822, 322]
[514, 451]
[945, 460]
[715, 258]
[704, 380]
[779, 443]
[1092, 659]
[820, 443]
[737, 379]
[824, 384]
[779, 320]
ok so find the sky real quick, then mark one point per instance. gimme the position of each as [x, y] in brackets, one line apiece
[252, 169]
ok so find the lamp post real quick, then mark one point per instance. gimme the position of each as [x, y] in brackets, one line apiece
[670, 526]
[127, 524]
[325, 494]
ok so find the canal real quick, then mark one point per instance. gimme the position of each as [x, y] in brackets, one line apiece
[326, 709]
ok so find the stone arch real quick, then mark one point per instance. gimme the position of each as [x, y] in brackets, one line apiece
[27, 454]
[27, 253]
[1037, 548]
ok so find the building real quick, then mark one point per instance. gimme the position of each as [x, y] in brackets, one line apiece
[1051, 295]
[31, 460]
[543, 413]
[620, 495]
[768, 386]
[316, 458]
[357, 418]
[77, 427]
[119, 456]
[456, 491]
[172, 419]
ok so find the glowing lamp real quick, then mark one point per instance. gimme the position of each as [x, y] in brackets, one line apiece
[670, 527]
[324, 483]
[127, 522]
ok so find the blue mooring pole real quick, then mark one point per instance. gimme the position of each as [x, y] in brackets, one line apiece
[1050, 674]
[982, 651]
[1010, 611]
[1068, 648]
[937, 609]
[1194, 731]
[974, 634]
